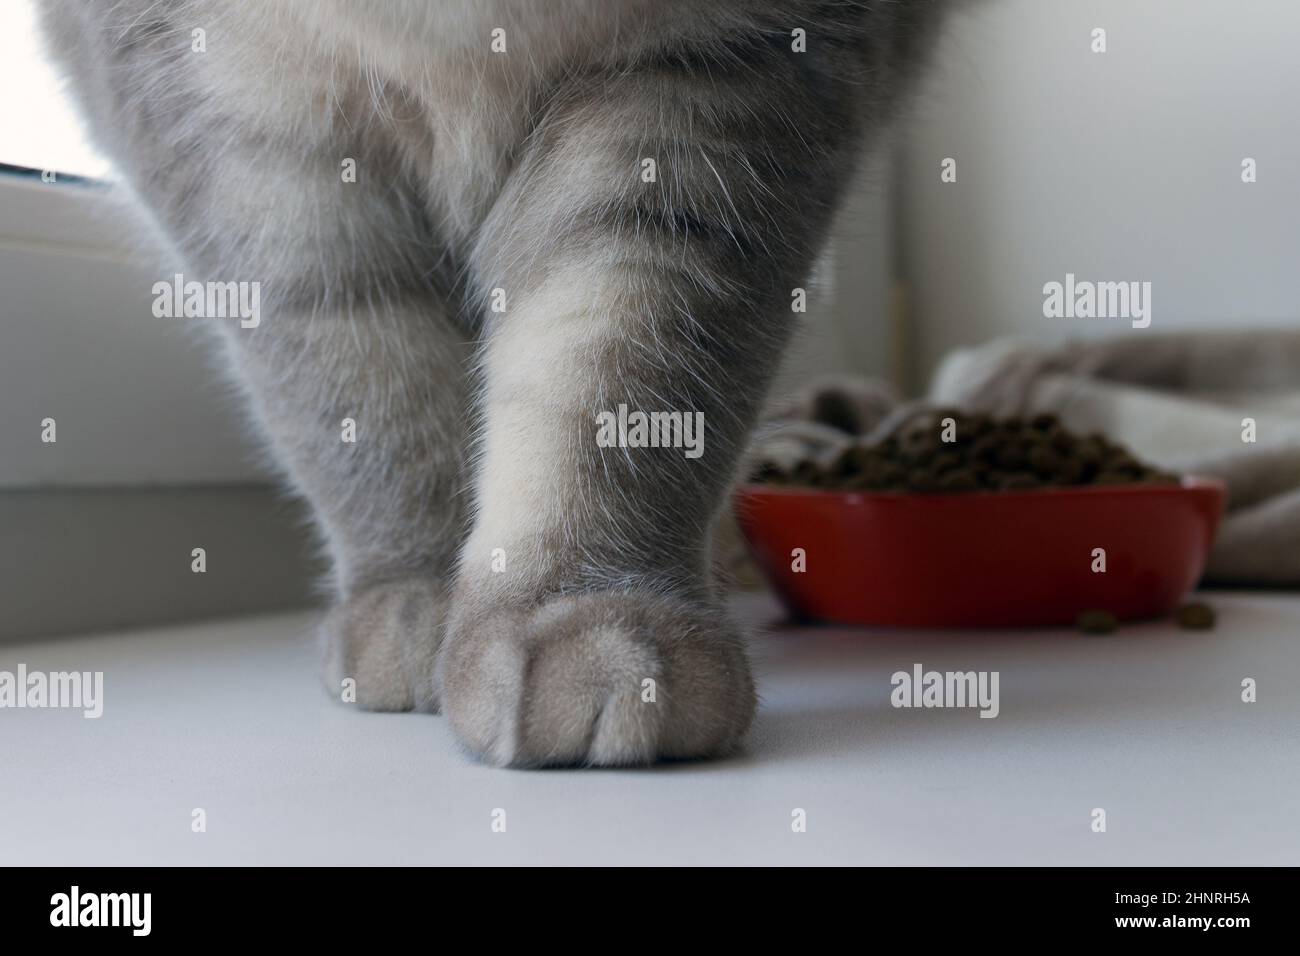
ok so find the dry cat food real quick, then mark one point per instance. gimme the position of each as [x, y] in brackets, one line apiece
[1097, 622]
[946, 451]
[1195, 617]
[1190, 617]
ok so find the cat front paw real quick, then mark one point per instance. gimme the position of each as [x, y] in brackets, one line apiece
[381, 645]
[596, 679]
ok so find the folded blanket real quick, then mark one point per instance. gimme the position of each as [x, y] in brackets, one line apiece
[1212, 404]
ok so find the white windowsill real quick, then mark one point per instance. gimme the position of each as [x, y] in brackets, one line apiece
[229, 717]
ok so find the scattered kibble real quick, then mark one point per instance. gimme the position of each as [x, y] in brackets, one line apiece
[1097, 622]
[1011, 454]
[1195, 617]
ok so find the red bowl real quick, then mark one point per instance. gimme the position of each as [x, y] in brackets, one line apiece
[995, 559]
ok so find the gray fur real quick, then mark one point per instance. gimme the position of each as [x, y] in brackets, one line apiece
[517, 171]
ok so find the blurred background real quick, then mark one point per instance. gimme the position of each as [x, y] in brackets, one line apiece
[1123, 165]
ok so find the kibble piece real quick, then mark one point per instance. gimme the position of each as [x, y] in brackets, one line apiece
[977, 425]
[1071, 472]
[922, 480]
[923, 457]
[892, 473]
[1090, 452]
[986, 447]
[1045, 462]
[1112, 478]
[1018, 481]
[962, 479]
[945, 461]
[1011, 457]
[1096, 622]
[1195, 617]
[1060, 439]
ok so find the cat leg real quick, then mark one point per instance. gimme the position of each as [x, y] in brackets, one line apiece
[357, 372]
[359, 379]
[355, 367]
[645, 250]
[367, 412]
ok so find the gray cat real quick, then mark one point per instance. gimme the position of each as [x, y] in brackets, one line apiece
[479, 228]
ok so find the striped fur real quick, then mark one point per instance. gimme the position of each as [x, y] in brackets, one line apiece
[491, 559]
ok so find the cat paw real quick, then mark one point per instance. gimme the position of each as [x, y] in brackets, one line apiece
[596, 679]
[385, 639]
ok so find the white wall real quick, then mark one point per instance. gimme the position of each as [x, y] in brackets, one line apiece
[1124, 165]
[137, 400]
[848, 327]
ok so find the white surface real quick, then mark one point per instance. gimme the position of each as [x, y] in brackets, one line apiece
[1123, 165]
[1147, 724]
